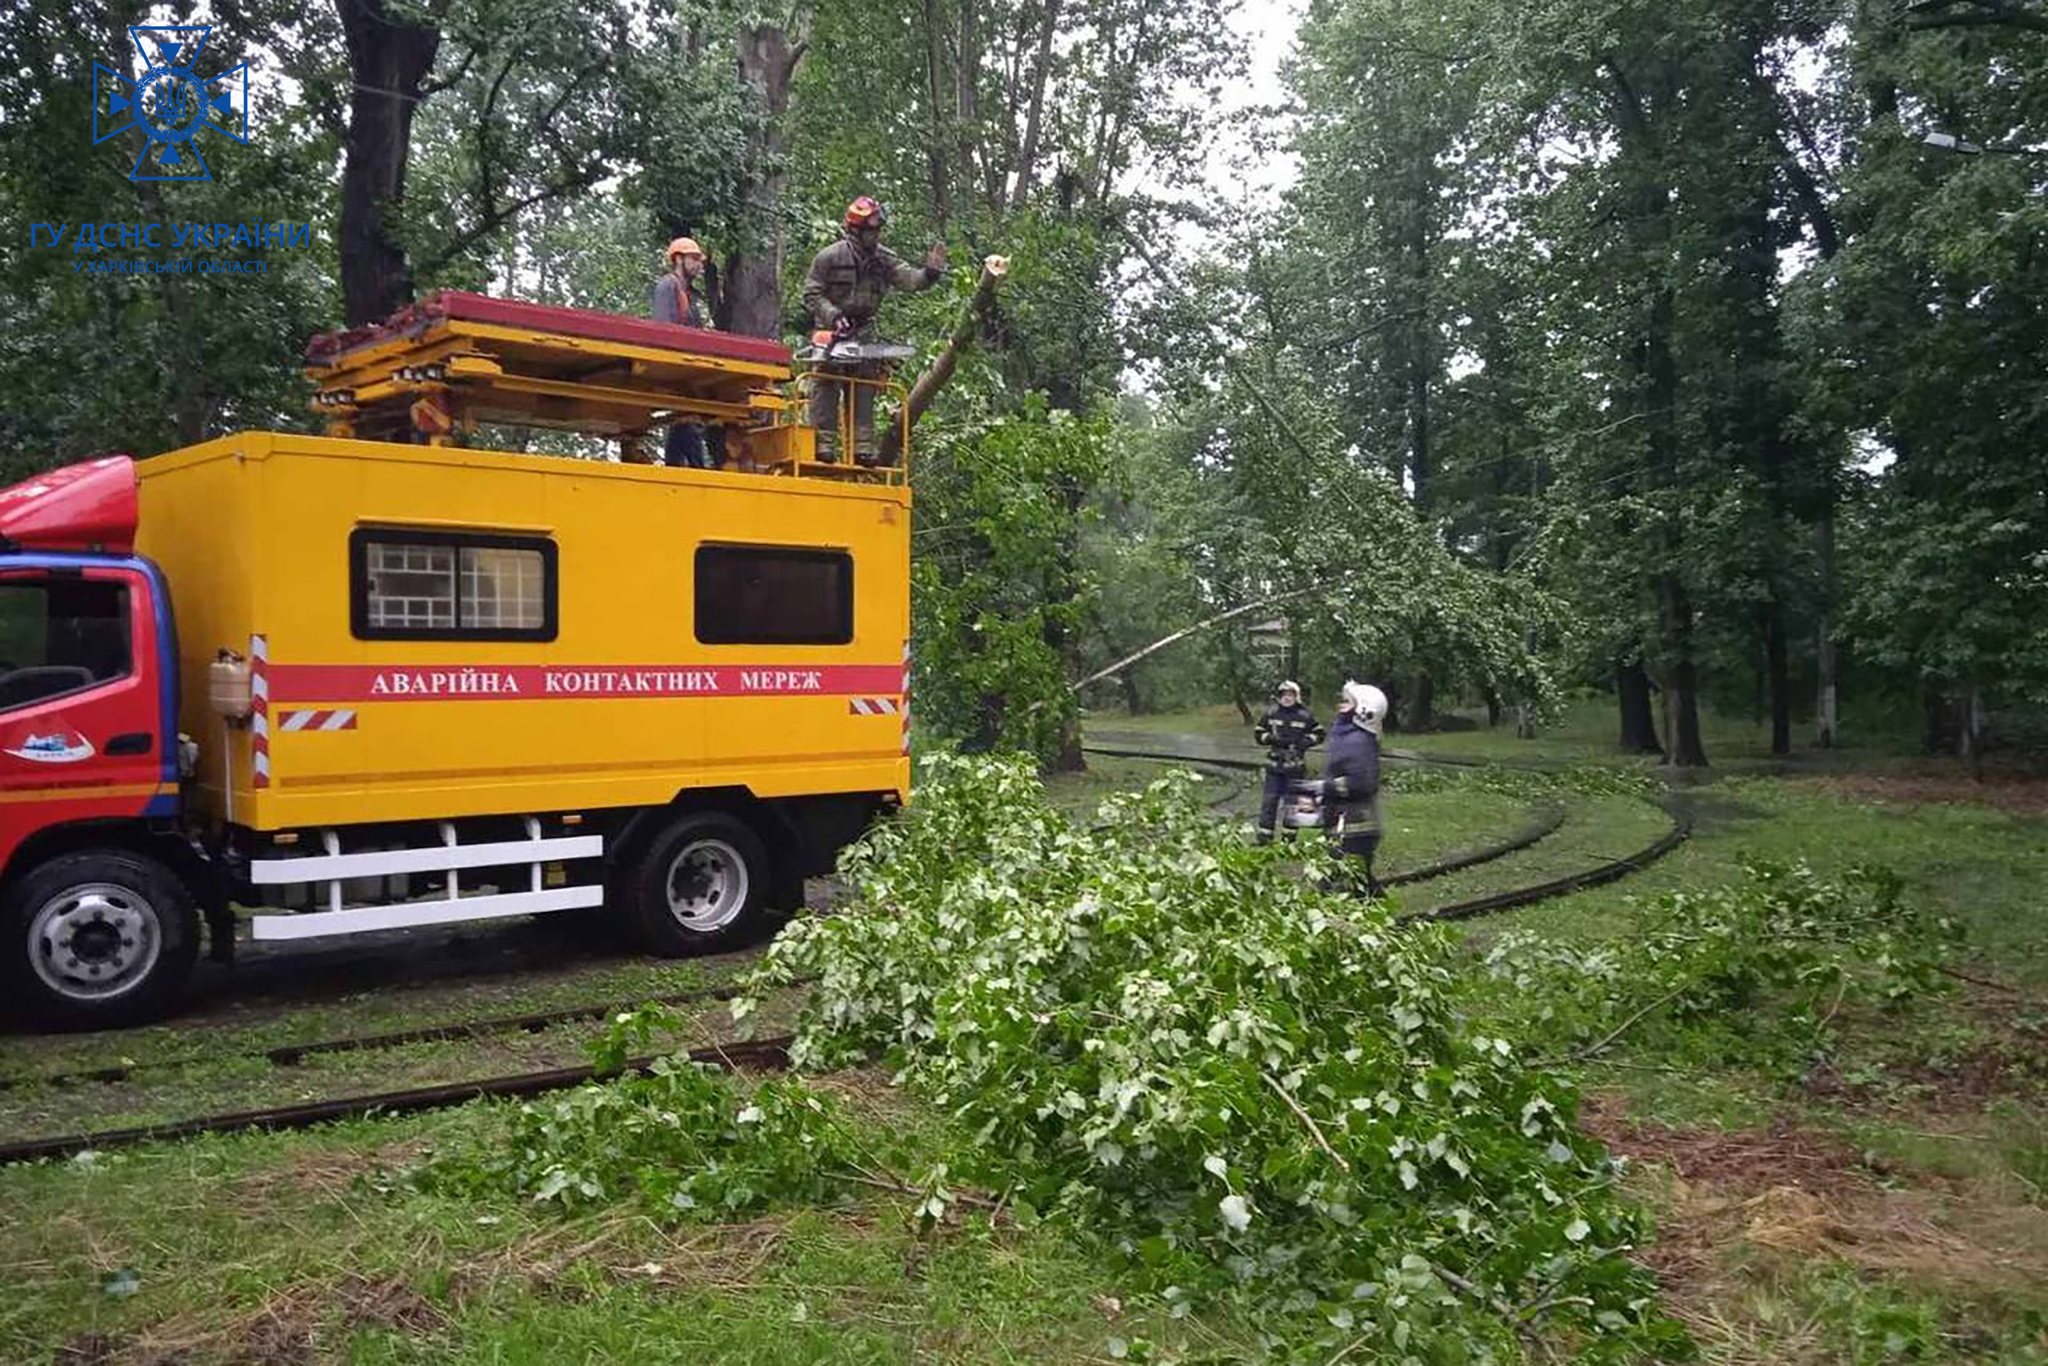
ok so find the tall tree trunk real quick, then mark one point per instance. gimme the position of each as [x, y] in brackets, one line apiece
[1422, 703]
[1675, 610]
[752, 297]
[938, 136]
[1970, 729]
[1041, 76]
[1777, 671]
[1658, 372]
[1934, 716]
[1063, 584]
[1134, 701]
[1828, 653]
[1638, 724]
[967, 96]
[388, 57]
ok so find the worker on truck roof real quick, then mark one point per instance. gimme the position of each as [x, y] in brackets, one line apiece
[678, 300]
[842, 293]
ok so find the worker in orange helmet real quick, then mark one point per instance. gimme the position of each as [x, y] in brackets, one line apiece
[843, 292]
[677, 299]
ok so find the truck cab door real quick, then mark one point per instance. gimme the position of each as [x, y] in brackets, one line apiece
[86, 705]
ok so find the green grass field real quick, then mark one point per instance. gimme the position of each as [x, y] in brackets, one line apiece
[1887, 1202]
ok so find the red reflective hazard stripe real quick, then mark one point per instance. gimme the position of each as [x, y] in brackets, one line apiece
[301, 683]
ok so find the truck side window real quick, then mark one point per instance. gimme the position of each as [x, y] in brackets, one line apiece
[60, 636]
[433, 585]
[772, 595]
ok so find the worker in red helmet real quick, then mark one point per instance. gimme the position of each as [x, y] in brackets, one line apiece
[679, 299]
[842, 293]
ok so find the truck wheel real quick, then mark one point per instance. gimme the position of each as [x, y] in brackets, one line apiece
[99, 939]
[701, 887]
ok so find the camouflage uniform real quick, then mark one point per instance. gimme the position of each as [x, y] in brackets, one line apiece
[849, 282]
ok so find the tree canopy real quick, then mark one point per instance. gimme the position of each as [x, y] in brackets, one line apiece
[1685, 352]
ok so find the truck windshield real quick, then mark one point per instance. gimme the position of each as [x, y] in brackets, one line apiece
[59, 636]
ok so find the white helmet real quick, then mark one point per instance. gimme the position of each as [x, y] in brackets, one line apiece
[1368, 705]
[1288, 685]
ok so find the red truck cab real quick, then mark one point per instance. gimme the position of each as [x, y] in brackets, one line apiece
[89, 763]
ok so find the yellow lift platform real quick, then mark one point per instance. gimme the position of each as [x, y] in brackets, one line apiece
[438, 370]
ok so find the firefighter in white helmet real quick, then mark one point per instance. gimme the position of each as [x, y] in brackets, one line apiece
[1351, 778]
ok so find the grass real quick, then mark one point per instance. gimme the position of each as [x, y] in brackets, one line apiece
[227, 1082]
[1886, 1202]
[298, 1007]
[315, 1246]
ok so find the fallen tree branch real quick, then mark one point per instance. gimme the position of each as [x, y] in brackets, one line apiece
[1595, 1049]
[993, 269]
[1306, 1118]
[1184, 632]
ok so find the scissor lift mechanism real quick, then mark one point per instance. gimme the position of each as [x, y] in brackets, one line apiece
[437, 370]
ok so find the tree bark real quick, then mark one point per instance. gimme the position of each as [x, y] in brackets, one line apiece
[1828, 653]
[1777, 673]
[1638, 723]
[1134, 701]
[1658, 372]
[388, 57]
[967, 95]
[1687, 749]
[1041, 75]
[1934, 715]
[1422, 703]
[752, 298]
[1970, 729]
[938, 136]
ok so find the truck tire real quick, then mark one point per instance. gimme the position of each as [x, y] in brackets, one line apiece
[702, 886]
[97, 939]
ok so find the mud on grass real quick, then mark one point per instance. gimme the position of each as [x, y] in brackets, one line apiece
[1788, 1242]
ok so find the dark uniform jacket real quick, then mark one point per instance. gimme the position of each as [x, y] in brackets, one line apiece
[1351, 776]
[1288, 733]
[847, 282]
[676, 302]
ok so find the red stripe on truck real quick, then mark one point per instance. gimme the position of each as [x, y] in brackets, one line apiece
[302, 683]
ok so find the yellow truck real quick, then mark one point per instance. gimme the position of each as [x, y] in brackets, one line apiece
[349, 684]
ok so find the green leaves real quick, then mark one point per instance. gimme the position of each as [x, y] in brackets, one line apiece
[1251, 1087]
[686, 1142]
[1756, 971]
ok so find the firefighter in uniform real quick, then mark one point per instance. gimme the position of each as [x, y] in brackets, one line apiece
[1288, 732]
[1351, 780]
[677, 299]
[842, 294]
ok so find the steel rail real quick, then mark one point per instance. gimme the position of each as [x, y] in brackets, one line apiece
[760, 1055]
[764, 1054]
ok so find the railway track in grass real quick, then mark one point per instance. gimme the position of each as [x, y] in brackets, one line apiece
[755, 1055]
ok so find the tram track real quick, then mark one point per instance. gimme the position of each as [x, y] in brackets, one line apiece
[291, 1054]
[767, 1054]
[756, 1055]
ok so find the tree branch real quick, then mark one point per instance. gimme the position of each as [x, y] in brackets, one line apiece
[1184, 632]
[1306, 1118]
[935, 375]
